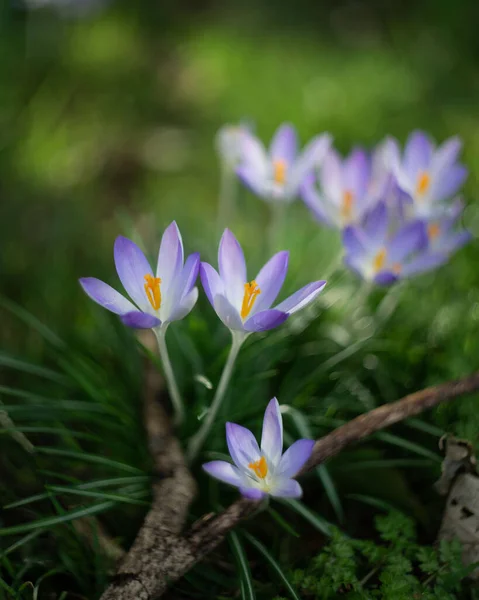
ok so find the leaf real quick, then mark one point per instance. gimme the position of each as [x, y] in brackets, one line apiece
[282, 522]
[246, 581]
[318, 522]
[396, 440]
[91, 458]
[274, 564]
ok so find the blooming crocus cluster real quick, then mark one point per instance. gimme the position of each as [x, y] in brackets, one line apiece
[243, 305]
[262, 470]
[277, 175]
[397, 210]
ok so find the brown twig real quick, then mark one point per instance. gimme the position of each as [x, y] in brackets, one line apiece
[174, 555]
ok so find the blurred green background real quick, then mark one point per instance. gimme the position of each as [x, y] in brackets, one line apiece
[107, 127]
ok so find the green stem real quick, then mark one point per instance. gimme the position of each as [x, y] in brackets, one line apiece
[170, 376]
[198, 439]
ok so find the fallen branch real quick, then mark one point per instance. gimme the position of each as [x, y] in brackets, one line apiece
[173, 555]
[173, 492]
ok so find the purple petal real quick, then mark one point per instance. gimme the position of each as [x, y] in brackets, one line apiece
[302, 297]
[356, 173]
[140, 320]
[227, 313]
[284, 144]
[106, 296]
[448, 182]
[270, 280]
[417, 154]
[425, 262]
[253, 154]
[265, 320]
[211, 282]
[189, 274]
[355, 264]
[272, 436]
[184, 307]
[132, 267]
[314, 201]
[331, 176]
[224, 471]
[386, 277]
[295, 457]
[446, 155]
[452, 241]
[376, 223]
[385, 157]
[252, 178]
[310, 158]
[232, 267]
[252, 493]
[170, 256]
[408, 239]
[355, 242]
[242, 446]
[288, 488]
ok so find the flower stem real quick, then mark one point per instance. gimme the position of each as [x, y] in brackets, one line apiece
[198, 439]
[170, 376]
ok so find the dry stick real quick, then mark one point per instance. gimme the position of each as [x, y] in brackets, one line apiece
[171, 558]
[173, 491]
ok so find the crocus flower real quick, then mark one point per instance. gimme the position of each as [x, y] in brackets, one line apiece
[229, 143]
[246, 306]
[160, 298]
[345, 191]
[258, 471]
[278, 174]
[444, 238]
[428, 174]
[377, 255]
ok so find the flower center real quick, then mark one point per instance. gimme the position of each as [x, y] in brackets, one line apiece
[423, 183]
[251, 291]
[279, 171]
[379, 260]
[152, 289]
[347, 205]
[433, 230]
[260, 467]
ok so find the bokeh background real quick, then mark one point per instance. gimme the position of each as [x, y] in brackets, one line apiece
[108, 117]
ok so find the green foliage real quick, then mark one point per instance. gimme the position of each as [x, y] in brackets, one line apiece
[395, 567]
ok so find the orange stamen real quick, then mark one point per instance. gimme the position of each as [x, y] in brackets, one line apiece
[379, 260]
[433, 230]
[423, 183]
[347, 205]
[279, 171]
[251, 291]
[260, 467]
[152, 289]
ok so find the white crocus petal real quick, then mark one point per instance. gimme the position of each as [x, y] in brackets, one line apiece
[272, 436]
[184, 307]
[170, 257]
[227, 313]
[286, 488]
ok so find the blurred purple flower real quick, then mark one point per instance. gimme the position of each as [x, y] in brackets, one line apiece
[428, 174]
[259, 471]
[378, 255]
[278, 174]
[346, 188]
[244, 306]
[167, 296]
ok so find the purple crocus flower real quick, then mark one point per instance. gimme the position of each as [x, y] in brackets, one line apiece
[229, 143]
[376, 254]
[261, 470]
[278, 174]
[444, 238]
[160, 298]
[428, 174]
[346, 190]
[246, 306]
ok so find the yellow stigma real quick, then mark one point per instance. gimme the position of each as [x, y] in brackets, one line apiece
[279, 171]
[433, 230]
[379, 260]
[347, 205]
[423, 183]
[260, 467]
[152, 289]
[251, 291]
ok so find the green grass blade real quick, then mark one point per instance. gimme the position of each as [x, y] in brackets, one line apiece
[20, 365]
[274, 565]
[282, 522]
[318, 522]
[393, 463]
[19, 543]
[60, 489]
[371, 501]
[91, 458]
[246, 580]
[396, 440]
[423, 426]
